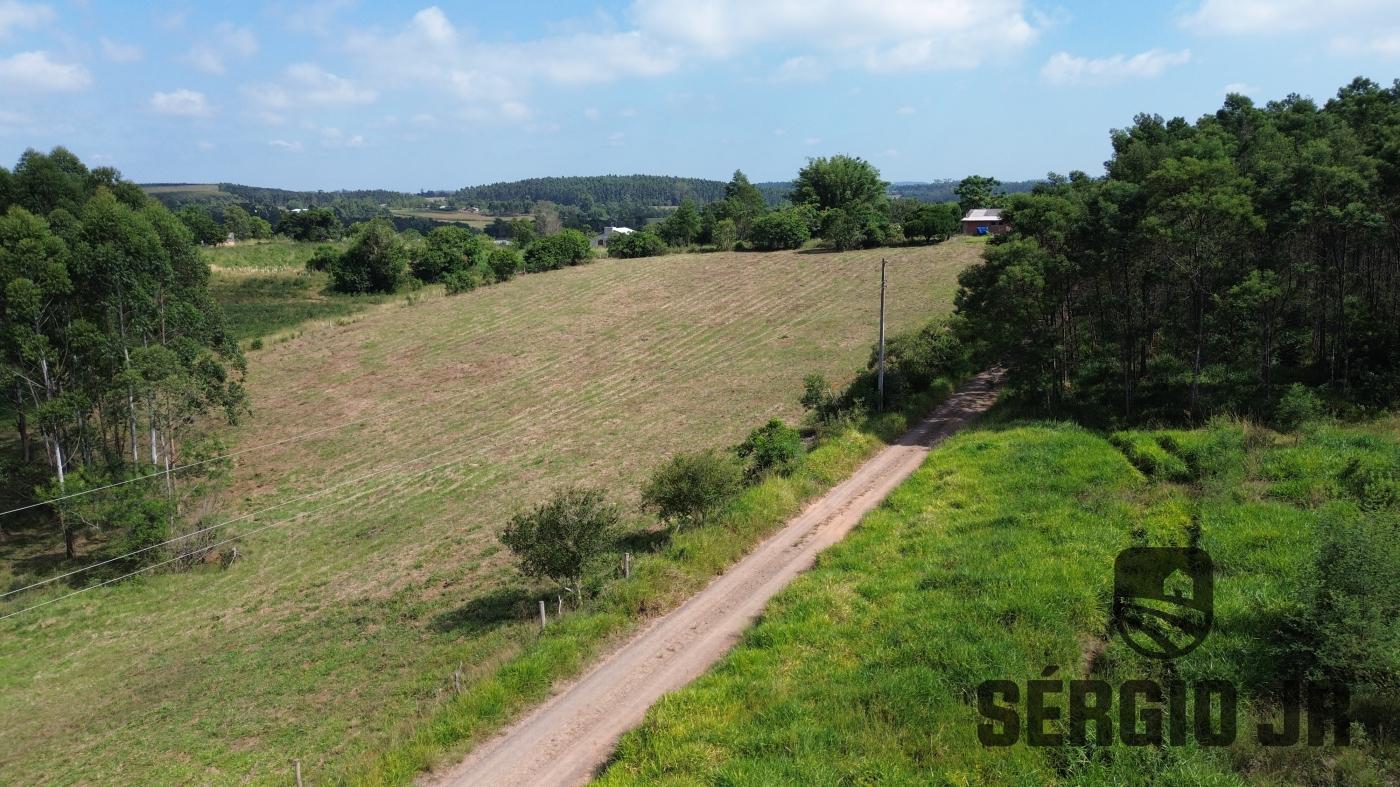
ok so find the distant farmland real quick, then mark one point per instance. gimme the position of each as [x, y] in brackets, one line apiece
[339, 627]
[452, 216]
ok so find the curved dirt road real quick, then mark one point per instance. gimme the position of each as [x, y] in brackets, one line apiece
[563, 741]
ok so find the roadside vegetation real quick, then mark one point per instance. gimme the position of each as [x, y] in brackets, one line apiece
[995, 561]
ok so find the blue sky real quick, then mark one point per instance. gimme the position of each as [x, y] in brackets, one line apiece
[343, 94]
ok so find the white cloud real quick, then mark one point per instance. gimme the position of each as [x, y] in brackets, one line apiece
[286, 146]
[906, 110]
[333, 137]
[1243, 88]
[616, 138]
[36, 72]
[429, 52]
[305, 85]
[591, 113]
[317, 86]
[812, 141]
[117, 52]
[315, 17]
[803, 68]
[1065, 69]
[1385, 43]
[182, 102]
[212, 55]
[895, 35]
[22, 16]
[1350, 27]
[1265, 17]
[205, 145]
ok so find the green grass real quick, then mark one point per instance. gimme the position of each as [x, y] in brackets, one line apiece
[334, 640]
[265, 289]
[994, 561]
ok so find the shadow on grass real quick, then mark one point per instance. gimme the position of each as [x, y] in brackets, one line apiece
[642, 541]
[486, 612]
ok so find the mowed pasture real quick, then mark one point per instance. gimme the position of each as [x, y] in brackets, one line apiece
[379, 573]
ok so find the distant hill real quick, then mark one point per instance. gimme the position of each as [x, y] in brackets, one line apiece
[584, 191]
[614, 195]
[776, 192]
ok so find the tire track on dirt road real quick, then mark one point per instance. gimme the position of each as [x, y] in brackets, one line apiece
[566, 739]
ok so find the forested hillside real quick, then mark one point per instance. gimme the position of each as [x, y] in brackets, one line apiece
[517, 196]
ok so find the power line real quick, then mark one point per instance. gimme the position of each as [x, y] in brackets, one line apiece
[250, 514]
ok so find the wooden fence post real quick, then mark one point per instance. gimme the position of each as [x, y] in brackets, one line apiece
[627, 565]
[298, 767]
[544, 621]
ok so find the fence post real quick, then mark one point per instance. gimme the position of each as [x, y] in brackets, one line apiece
[627, 565]
[544, 621]
[298, 767]
[560, 609]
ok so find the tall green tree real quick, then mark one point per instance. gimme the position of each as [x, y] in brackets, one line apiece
[376, 261]
[977, 191]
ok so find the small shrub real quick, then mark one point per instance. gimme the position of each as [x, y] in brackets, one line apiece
[1373, 480]
[1298, 406]
[637, 244]
[563, 539]
[256, 344]
[467, 279]
[774, 447]
[817, 398]
[1355, 600]
[505, 262]
[781, 229]
[569, 247]
[689, 488]
[323, 258]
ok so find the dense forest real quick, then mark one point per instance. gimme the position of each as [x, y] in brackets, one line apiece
[112, 349]
[1213, 265]
[584, 192]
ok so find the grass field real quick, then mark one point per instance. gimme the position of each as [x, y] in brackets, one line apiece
[995, 561]
[264, 288]
[337, 632]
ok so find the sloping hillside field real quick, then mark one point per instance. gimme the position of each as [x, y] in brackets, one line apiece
[380, 575]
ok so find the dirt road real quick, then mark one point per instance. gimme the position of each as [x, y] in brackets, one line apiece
[563, 741]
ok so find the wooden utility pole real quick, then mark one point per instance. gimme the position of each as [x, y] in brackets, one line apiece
[880, 379]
